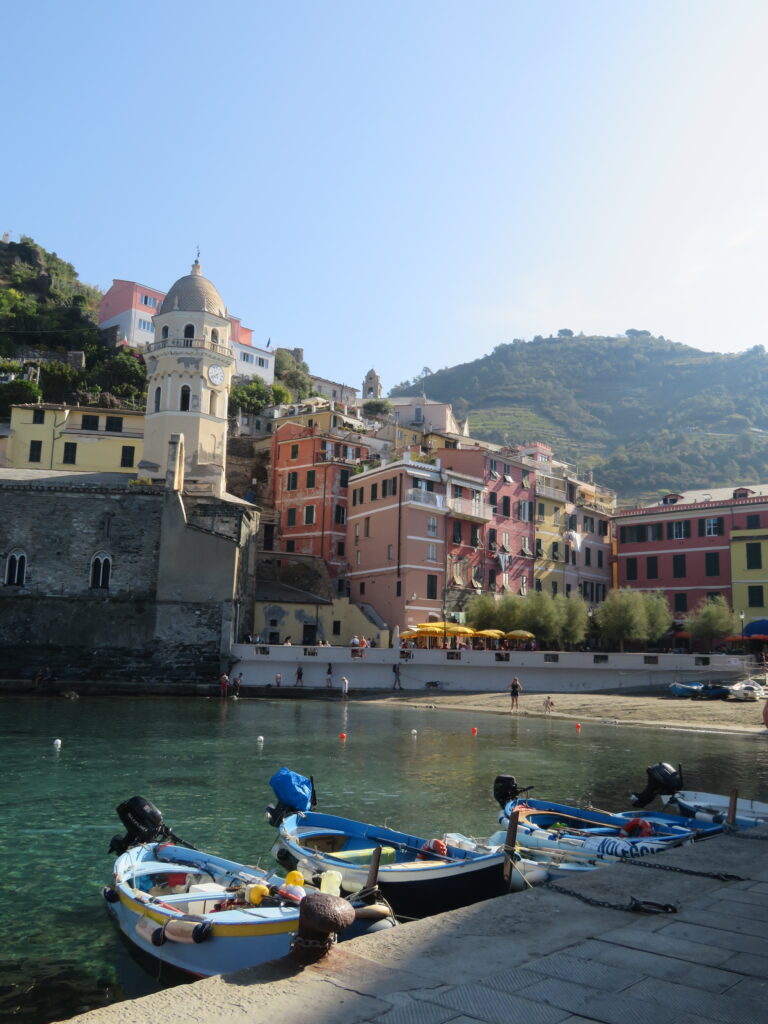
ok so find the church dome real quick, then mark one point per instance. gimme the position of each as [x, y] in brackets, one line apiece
[194, 294]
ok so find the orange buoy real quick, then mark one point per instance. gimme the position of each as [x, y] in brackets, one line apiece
[578, 727]
[342, 735]
[474, 731]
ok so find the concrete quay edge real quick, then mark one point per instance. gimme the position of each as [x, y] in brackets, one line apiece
[539, 957]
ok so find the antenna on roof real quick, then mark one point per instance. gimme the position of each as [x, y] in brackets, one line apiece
[198, 252]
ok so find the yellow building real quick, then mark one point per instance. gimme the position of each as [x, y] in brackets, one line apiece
[83, 439]
[749, 573]
[551, 523]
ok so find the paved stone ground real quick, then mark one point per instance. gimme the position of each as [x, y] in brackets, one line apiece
[539, 957]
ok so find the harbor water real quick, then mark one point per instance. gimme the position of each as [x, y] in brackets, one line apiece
[202, 762]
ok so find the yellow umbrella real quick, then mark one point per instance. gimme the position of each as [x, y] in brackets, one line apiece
[449, 628]
[410, 634]
[520, 634]
[494, 634]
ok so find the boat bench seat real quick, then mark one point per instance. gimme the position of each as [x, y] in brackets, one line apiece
[365, 856]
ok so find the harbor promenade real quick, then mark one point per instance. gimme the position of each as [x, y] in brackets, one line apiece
[541, 957]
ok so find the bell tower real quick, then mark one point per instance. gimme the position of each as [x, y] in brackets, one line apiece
[371, 385]
[189, 370]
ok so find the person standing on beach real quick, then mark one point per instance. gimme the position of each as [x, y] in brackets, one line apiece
[278, 678]
[223, 684]
[329, 676]
[299, 675]
[344, 687]
[548, 705]
[236, 684]
[515, 689]
[396, 685]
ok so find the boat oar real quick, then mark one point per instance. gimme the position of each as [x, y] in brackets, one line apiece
[509, 845]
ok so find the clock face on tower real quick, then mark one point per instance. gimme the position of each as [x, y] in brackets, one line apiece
[215, 375]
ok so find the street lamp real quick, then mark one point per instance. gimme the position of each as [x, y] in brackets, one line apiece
[741, 616]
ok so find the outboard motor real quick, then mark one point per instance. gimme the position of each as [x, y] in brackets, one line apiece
[143, 824]
[294, 792]
[663, 780]
[505, 788]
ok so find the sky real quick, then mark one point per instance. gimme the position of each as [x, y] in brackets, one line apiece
[403, 184]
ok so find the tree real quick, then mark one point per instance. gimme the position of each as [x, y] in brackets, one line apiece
[565, 332]
[59, 380]
[482, 612]
[251, 397]
[17, 392]
[538, 615]
[658, 615]
[622, 617]
[711, 619]
[573, 619]
[377, 407]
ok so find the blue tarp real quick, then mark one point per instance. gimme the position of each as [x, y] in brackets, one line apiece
[292, 789]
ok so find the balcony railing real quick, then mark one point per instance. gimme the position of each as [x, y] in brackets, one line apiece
[543, 491]
[421, 497]
[209, 346]
[473, 509]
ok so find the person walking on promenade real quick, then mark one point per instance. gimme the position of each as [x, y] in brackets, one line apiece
[329, 676]
[299, 675]
[344, 688]
[223, 684]
[515, 689]
[396, 685]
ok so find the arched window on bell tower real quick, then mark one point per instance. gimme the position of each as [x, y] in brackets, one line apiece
[215, 336]
[164, 333]
[158, 393]
[189, 333]
[185, 396]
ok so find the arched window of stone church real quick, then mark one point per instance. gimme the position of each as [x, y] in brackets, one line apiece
[164, 333]
[158, 393]
[215, 336]
[16, 569]
[185, 393]
[101, 568]
[189, 333]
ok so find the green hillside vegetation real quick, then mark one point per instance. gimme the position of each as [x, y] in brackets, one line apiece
[647, 414]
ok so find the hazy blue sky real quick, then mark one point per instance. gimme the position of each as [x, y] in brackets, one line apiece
[403, 184]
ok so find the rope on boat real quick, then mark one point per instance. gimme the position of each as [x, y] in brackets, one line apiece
[634, 905]
[722, 876]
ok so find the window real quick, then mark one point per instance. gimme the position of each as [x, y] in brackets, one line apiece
[263, 362]
[456, 532]
[432, 587]
[145, 325]
[114, 424]
[431, 552]
[539, 552]
[474, 535]
[493, 500]
[589, 524]
[680, 529]
[292, 481]
[755, 597]
[344, 478]
[506, 506]
[310, 478]
[631, 568]
[35, 451]
[525, 511]
[148, 300]
[491, 579]
[678, 567]
[754, 556]
[399, 588]
[158, 393]
[101, 567]
[374, 492]
[90, 423]
[537, 586]
[652, 567]
[38, 415]
[711, 527]
[587, 556]
[185, 398]
[432, 526]
[294, 451]
[362, 589]
[367, 526]
[337, 627]
[603, 528]
[523, 586]
[189, 333]
[164, 333]
[339, 514]
[599, 558]
[526, 480]
[390, 554]
[15, 569]
[753, 522]
[712, 563]
[290, 517]
[491, 538]
[215, 340]
[340, 549]
[290, 546]
[554, 588]
[681, 602]
[555, 550]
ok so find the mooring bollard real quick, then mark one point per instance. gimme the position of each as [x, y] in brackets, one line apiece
[321, 918]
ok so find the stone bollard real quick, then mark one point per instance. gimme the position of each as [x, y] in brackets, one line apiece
[321, 917]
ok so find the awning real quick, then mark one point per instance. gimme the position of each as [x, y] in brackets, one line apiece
[758, 626]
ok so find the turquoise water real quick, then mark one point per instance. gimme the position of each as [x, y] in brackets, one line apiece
[201, 763]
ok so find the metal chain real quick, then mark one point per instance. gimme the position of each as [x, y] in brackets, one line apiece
[720, 875]
[634, 905]
[314, 943]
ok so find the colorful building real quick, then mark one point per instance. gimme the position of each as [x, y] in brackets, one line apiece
[83, 439]
[697, 545]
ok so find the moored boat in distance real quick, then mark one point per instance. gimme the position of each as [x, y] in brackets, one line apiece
[685, 689]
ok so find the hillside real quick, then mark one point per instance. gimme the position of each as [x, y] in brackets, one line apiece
[646, 413]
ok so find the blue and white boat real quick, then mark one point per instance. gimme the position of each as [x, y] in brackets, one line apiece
[590, 837]
[713, 807]
[685, 689]
[417, 876]
[201, 913]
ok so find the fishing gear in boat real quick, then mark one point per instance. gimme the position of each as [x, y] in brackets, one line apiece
[143, 824]
[662, 780]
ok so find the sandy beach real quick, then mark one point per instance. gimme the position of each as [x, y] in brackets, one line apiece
[617, 709]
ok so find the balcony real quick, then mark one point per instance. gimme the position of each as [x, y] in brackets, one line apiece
[543, 491]
[417, 496]
[184, 343]
[474, 510]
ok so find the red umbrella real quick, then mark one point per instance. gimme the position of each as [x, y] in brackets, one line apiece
[682, 635]
[757, 636]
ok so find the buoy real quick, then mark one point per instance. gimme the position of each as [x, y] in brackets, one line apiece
[57, 743]
[259, 739]
[342, 735]
[414, 732]
[578, 727]
[474, 731]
